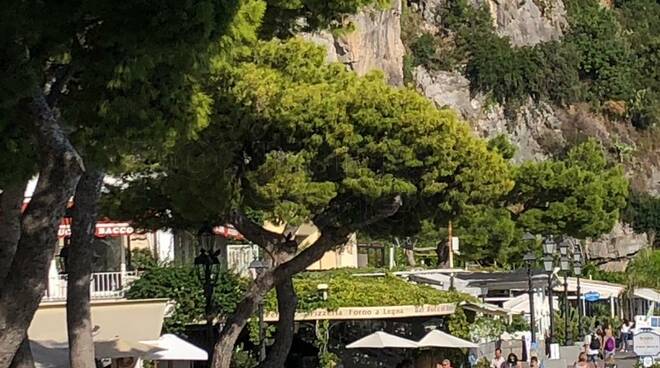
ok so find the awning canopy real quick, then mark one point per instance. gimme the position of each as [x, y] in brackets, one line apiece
[437, 338]
[380, 340]
[487, 308]
[648, 294]
[175, 348]
[606, 290]
[120, 348]
[132, 320]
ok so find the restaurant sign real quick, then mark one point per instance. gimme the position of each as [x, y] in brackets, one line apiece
[646, 343]
[353, 313]
[102, 229]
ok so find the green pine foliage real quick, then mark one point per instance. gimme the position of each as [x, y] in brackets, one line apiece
[643, 212]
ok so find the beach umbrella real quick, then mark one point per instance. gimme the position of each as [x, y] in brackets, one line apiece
[380, 340]
[439, 339]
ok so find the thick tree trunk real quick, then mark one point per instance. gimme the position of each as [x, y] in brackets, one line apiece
[281, 273]
[286, 308]
[60, 168]
[10, 225]
[332, 236]
[23, 357]
[224, 347]
[78, 314]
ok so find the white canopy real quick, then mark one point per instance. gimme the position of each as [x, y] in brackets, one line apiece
[648, 294]
[175, 348]
[381, 340]
[437, 338]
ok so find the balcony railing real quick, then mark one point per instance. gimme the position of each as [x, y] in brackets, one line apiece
[103, 285]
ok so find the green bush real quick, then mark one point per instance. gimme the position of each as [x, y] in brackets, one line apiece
[347, 290]
[142, 259]
[182, 285]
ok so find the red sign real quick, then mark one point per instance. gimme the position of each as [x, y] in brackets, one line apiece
[103, 229]
[227, 231]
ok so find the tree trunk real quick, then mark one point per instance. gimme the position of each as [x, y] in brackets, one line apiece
[286, 308]
[60, 168]
[224, 347]
[23, 357]
[236, 322]
[10, 225]
[331, 237]
[78, 314]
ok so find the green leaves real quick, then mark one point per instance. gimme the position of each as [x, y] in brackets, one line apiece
[182, 285]
[348, 290]
[580, 196]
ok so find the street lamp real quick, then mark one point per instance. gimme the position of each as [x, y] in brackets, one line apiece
[529, 260]
[207, 268]
[565, 266]
[549, 247]
[577, 269]
[256, 268]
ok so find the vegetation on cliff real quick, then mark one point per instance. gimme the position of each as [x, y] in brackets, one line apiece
[608, 57]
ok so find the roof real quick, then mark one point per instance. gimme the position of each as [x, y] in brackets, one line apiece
[487, 308]
[135, 320]
[648, 294]
[605, 289]
[473, 282]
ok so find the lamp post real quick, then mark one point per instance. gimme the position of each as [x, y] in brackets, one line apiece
[549, 247]
[256, 269]
[529, 260]
[577, 269]
[207, 268]
[565, 266]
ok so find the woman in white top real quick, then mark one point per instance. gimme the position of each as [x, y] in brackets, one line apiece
[625, 334]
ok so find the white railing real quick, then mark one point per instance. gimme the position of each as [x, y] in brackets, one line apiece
[239, 258]
[103, 285]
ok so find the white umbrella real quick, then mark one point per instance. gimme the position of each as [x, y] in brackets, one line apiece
[381, 340]
[174, 348]
[437, 338]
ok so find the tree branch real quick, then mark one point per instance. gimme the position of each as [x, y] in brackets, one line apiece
[269, 241]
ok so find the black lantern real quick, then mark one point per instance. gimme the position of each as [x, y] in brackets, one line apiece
[577, 269]
[207, 267]
[529, 259]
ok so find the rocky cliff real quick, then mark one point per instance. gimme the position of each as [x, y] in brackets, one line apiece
[372, 41]
[537, 129]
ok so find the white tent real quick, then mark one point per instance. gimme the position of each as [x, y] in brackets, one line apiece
[381, 340]
[648, 294]
[437, 338]
[174, 348]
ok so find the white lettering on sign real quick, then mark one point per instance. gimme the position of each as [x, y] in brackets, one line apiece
[102, 230]
[400, 311]
[646, 343]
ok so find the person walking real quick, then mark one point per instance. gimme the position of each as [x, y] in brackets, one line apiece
[609, 345]
[593, 347]
[499, 360]
[582, 361]
[512, 361]
[626, 332]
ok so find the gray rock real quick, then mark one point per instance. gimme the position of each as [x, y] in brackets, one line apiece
[528, 22]
[447, 89]
[613, 251]
[374, 44]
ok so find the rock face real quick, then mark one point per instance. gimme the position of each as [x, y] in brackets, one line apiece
[525, 22]
[374, 44]
[534, 130]
[528, 22]
[613, 251]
